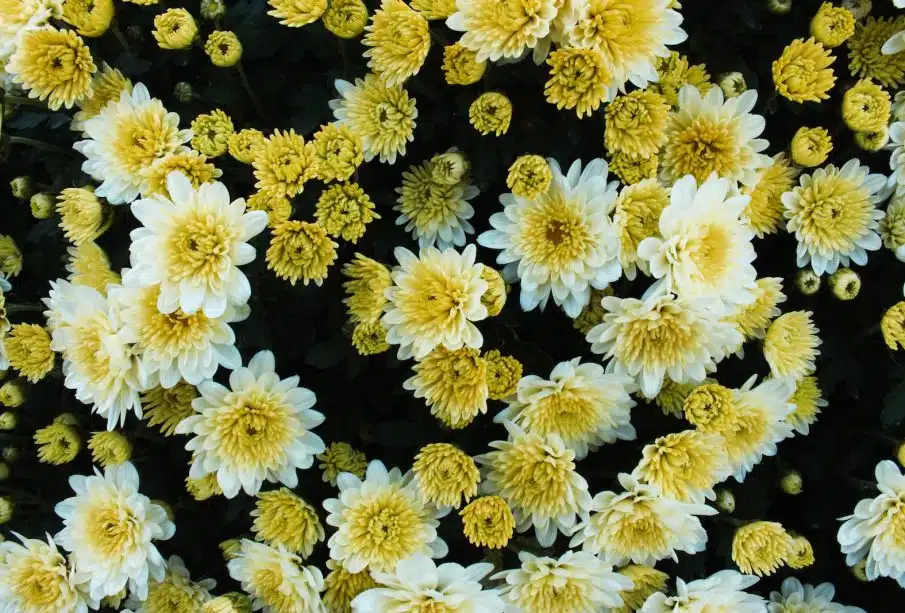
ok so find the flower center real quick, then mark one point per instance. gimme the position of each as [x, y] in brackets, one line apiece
[143, 138]
[166, 596]
[704, 147]
[834, 213]
[385, 528]
[38, 581]
[200, 250]
[255, 428]
[113, 530]
[554, 234]
[569, 413]
[665, 339]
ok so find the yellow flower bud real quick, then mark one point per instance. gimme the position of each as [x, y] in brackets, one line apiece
[845, 284]
[183, 91]
[21, 187]
[7, 421]
[791, 482]
[6, 509]
[872, 141]
[832, 25]
[893, 326]
[811, 146]
[10, 454]
[212, 9]
[859, 570]
[779, 7]
[725, 501]
[42, 205]
[732, 84]
[4, 471]
[807, 281]
[12, 394]
[175, 29]
[224, 48]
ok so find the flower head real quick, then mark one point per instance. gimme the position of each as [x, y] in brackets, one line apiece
[223, 48]
[811, 146]
[790, 345]
[794, 597]
[167, 407]
[490, 112]
[646, 580]
[301, 250]
[284, 163]
[685, 465]
[109, 448]
[10, 257]
[345, 18]
[761, 548]
[28, 350]
[275, 579]
[753, 319]
[529, 176]
[341, 587]
[338, 152]
[435, 9]
[832, 25]
[282, 518]
[461, 65]
[242, 144]
[866, 107]
[57, 443]
[674, 72]
[496, 30]
[865, 51]
[297, 13]
[398, 39]
[175, 29]
[764, 212]
[487, 522]
[277, 207]
[370, 338]
[503, 374]
[445, 475]
[723, 590]
[368, 281]
[808, 402]
[453, 383]
[578, 79]
[53, 65]
[211, 132]
[177, 593]
[344, 210]
[83, 217]
[636, 123]
[631, 170]
[35, 578]
[892, 326]
[341, 458]
[802, 73]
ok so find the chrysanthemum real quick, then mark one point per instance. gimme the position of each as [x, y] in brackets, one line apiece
[721, 591]
[563, 242]
[88, 265]
[529, 176]
[453, 384]
[282, 518]
[661, 335]
[636, 123]
[98, 362]
[366, 288]
[203, 488]
[167, 407]
[106, 86]
[257, 429]
[794, 597]
[296, 13]
[52, 65]
[646, 581]
[398, 38]
[435, 213]
[802, 73]
[892, 326]
[418, 584]
[176, 593]
[506, 30]
[283, 163]
[753, 319]
[461, 65]
[808, 401]
[338, 152]
[224, 48]
[866, 107]
[503, 374]
[764, 212]
[790, 345]
[490, 112]
[833, 215]
[341, 458]
[191, 245]
[583, 405]
[641, 525]
[109, 448]
[810, 147]
[242, 144]
[380, 521]
[177, 345]
[91, 19]
[300, 250]
[125, 139]
[761, 547]
[536, 477]
[277, 207]
[192, 164]
[434, 300]
[631, 170]
[576, 581]
[83, 217]
[175, 29]
[28, 350]
[708, 134]
[672, 395]
[345, 18]
[497, 291]
[35, 578]
[383, 115]
[341, 587]
[276, 579]
[445, 475]
[865, 55]
[109, 529]
[488, 522]
[344, 210]
[57, 444]
[685, 465]
[674, 72]
[578, 80]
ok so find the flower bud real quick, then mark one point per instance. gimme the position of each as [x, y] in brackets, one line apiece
[4, 471]
[7, 421]
[6, 509]
[223, 48]
[845, 284]
[22, 187]
[872, 141]
[859, 570]
[212, 9]
[733, 84]
[12, 394]
[10, 454]
[42, 205]
[779, 7]
[807, 281]
[859, 8]
[791, 482]
[448, 168]
[67, 419]
[725, 501]
[900, 453]
[183, 91]
[230, 548]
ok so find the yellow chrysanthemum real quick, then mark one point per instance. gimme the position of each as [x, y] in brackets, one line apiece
[490, 112]
[89, 265]
[872, 141]
[503, 374]
[211, 133]
[671, 398]
[866, 107]
[10, 256]
[865, 55]
[636, 123]
[167, 407]
[494, 299]
[57, 444]
[223, 48]
[282, 518]
[28, 350]
[345, 18]
[90, 18]
[646, 581]
[529, 176]
[365, 289]
[277, 207]
[398, 38]
[802, 554]
[370, 338]
[108, 83]
[242, 144]
[488, 522]
[283, 163]
[761, 547]
[203, 488]
[338, 152]
[808, 401]
[764, 213]
[710, 408]
[631, 170]
[301, 250]
[453, 383]
[109, 448]
[341, 458]
[673, 71]
[445, 475]
[753, 319]
[83, 217]
[175, 29]
[802, 73]
[832, 25]
[341, 587]
[192, 164]
[893, 326]
[811, 146]
[461, 65]
[685, 465]
[52, 65]
[790, 345]
[435, 9]
[297, 13]
[636, 217]
[578, 80]
[495, 29]
[344, 210]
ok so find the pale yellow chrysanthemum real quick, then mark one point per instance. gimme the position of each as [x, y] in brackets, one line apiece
[35, 578]
[345, 18]
[89, 18]
[398, 39]
[337, 152]
[832, 25]
[635, 124]
[811, 146]
[211, 132]
[529, 176]
[637, 217]
[383, 115]
[503, 374]
[106, 85]
[808, 401]
[631, 170]
[109, 448]
[276, 580]
[764, 212]
[537, 478]
[341, 587]
[52, 65]
[282, 518]
[710, 407]
[88, 265]
[370, 338]
[243, 144]
[866, 107]
[674, 72]
[802, 73]
[646, 580]
[28, 350]
[300, 250]
[453, 383]
[341, 458]
[790, 345]
[685, 465]
[761, 547]
[224, 48]
[802, 553]
[490, 112]
[578, 80]
[277, 207]
[83, 217]
[892, 325]
[344, 210]
[57, 444]
[175, 29]
[203, 488]
[488, 522]
[496, 30]
[753, 319]
[297, 13]
[445, 475]
[865, 55]
[192, 164]
[461, 65]
[167, 407]
[366, 288]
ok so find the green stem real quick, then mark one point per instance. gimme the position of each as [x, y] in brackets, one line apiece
[114, 27]
[23, 101]
[254, 99]
[30, 142]
[24, 308]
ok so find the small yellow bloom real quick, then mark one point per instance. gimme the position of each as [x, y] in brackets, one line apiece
[832, 25]
[230, 548]
[224, 48]
[764, 213]
[192, 164]
[732, 84]
[89, 265]
[529, 176]
[83, 217]
[893, 326]
[338, 152]
[284, 163]
[277, 207]
[211, 133]
[802, 553]
[53, 65]
[802, 73]
[341, 587]
[673, 71]
[761, 548]
[167, 407]
[301, 250]
[450, 168]
[632, 170]
[791, 482]
[41, 205]
[872, 141]
[866, 107]
[578, 80]
[865, 55]
[490, 112]
[370, 338]
[344, 210]
[175, 29]
[282, 518]
[297, 13]
[57, 444]
[233, 602]
[10, 256]
[90, 18]
[845, 284]
[636, 124]
[12, 394]
[345, 18]
[28, 349]
[790, 346]
[106, 85]
[241, 145]
[646, 581]
[341, 458]
[461, 65]
[808, 282]
[204, 488]
[503, 374]
[445, 475]
[710, 408]
[811, 146]
[398, 39]
[453, 383]
[366, 287]
[109, 448]
[488, 522]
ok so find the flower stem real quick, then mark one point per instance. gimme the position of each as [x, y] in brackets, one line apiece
[254, 99]
[23, 101]
[24, 308]
[114, 27]
[37, 144]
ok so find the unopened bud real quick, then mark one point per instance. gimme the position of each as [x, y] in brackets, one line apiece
[212, 9]
[230, 548]
[872, 141]
[233, 602]
[42, 205]
[4, 471]
[791, 482]
[725, 501]
[183, 91]
[779, 7]
[448, 168]
[859, 570]
[10, 454]
[7, 421]
[807, 281]
[12, 394]
[900, 453]
[6, 509]
[67, 419]
[22, 187]
[733, 84]
[859, 8]
[845, 284]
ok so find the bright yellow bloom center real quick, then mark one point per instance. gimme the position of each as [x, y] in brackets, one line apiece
[338, 151]
[832, 25]
[385, 527]
[344, 210]
[254, 428]
[175, 29]
[241, 145]
[112, 528]
[454, 384]
[536, 477]
[701, 146]
[224, 48]
[211, 133]
[553, 234]
[370, 338]
[200, 248]
[57, 443]
[143, 137]
[683, 464]
[345, 18]
[833, 212]
[710, 408]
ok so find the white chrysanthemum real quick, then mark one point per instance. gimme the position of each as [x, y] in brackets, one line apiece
[35, 578]
[577, 582]
[276, 580]
[98, 361]
[177, 345]
[703, 250]
[563, 242]
[797, 598]
[897, 158]
[581, 403]
[433, 301]
[177, 593]
[507, 29]
[417, 584]
[381, 520]
[257, 429]
[874, 531]
[721, 592]
[109, 529]
[833, 215]
[536, 476]
[124, 141]
[641, 526]
[192, 246]
[662, 335]
[709, 134]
